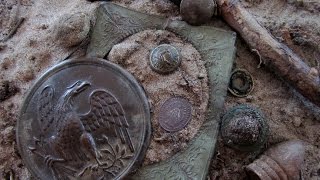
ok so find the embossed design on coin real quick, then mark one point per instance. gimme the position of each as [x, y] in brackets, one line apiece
[165, 58]
[84, 129]
[175, 113]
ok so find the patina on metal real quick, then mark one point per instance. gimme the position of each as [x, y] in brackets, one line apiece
[244, 128]
[175, 113]
[165, 58]
[241, 83]
[283, 161]
[84, 119]
[216, 47]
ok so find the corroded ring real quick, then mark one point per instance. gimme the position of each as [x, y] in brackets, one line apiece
[165, 58]
[241, 83]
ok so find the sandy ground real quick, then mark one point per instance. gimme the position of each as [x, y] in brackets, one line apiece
[38, 45]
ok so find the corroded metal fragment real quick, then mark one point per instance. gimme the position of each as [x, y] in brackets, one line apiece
[165, 58]
[76, 123]
[244, 128]
[283, 161]
[241, 83]
[175, 113]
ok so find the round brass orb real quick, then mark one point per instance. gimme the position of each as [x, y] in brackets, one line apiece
[197, 12]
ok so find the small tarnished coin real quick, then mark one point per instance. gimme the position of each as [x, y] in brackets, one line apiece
[175, 113]
[165, 58]
[241, 83]
[244, 128]
[84, 119]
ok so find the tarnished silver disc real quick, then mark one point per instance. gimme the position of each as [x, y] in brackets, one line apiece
[175, 114]
[165, 58]
[84, 119]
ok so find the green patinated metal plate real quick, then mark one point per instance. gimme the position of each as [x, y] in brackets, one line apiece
[216, 46]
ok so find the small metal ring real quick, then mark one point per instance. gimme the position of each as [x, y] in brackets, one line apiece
[241, 83]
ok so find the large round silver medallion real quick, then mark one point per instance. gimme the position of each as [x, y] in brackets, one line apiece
[84, 119]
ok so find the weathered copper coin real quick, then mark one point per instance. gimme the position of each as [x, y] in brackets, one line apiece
[175, 113]
[84, 119]
[165, 58]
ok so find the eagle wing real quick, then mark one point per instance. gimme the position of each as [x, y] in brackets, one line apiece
[107, 113]
[45, 108]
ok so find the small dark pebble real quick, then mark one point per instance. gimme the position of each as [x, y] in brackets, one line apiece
[7, 89]
[2, 46]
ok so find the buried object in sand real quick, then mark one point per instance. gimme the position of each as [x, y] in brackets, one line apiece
[192, 162]
[282, 162]
[244, 128]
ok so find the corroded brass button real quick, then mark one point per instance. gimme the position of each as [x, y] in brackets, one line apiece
[175, 113]
[84, 119]
[165, 58]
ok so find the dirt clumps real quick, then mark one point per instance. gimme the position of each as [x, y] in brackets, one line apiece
[7, 89]
[72, 29]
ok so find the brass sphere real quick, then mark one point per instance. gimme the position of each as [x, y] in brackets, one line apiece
[197, 12]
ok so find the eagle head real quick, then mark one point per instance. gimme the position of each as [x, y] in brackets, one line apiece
[74, 90]
[78, 87]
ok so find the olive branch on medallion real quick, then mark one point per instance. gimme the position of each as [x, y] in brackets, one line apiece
[73, 144]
